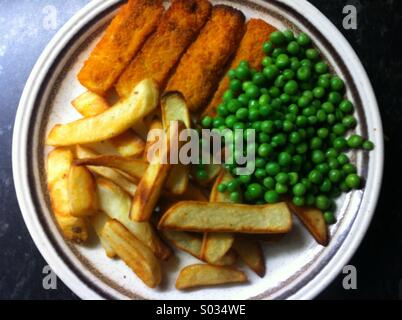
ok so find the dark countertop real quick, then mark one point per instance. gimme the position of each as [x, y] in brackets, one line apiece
[25, 31]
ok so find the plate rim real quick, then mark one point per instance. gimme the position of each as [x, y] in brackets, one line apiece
[26, 106]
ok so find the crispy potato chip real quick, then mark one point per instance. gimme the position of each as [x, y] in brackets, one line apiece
[174, 108]
[128, 144]
[58, 167]
[151, 184]
[110, 123]
[90, 104]
[198, 275]
[191, 243]
[82, 192]
[122, 181]
[135, 168]
[116, 204]
[313, 220]
[98, 221]
[134, 253]
[251, 253]
[227, 217]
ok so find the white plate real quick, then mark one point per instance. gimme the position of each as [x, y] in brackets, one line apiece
[298, 268]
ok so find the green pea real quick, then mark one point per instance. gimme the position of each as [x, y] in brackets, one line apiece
[231, 74]
[274, 92]
[260, 173]
[239, 125]
[206, 122]
[264, 99]
[349, 168]
[289, 35]
[277, 52]
[230, 121]
[270, 72]
[342, 159]
[227, 95]
[291, 87]
[243, 99]
[244, 179]
[340, 143]
[349, 121]
[264, 150]
[323, 168]
[335, 175]
[295, 138]
[333, 163]
[282, 177]
[321, 116]
[235, 85]
[303, 39]
[298, 201]
[222, 187]
[339, 129]
[322, 202]
[303, 73]
[285, 98]
[334, 97]
[355, 141]
[326, 185]
[233, 105]
[322, 133]
[329, 217]
[328, 107]
[235, 196]
[324, 82]
[268, 126]
[254, 190]
[272, 168]
[269, 183]
[253, 91]
[319, 92]
[232, 185]
[267, 61]
[281, 188]
[268, 47]
[368, 145]
[344, 187]
[315, 143]
[258, 79]
[280, 81]
[279, 139]
[201, 174]
[337, 84]
[312, 54]
[222, 110]
[303, 101]
[253, 114]
[318, 156]
[321, 67]
[264, 137]
[352, 181]
[299, 189]
[294, 64]
[346, 106]
[284, 159]
[331, 119]
[242, 113]
[315, 176]
[217, 122]
[242, 73]
[282, 61]
[277, 38]
[271, 196]
[256, 126]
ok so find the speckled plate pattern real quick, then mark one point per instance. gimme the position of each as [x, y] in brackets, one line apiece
[297, 267]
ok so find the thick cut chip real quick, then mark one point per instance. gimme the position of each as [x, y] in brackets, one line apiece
[227, 217]
[250, 49]
[116, 204]
[174, 108]
[199, 275]
[251, 253]
[135, 168]
[177, 29]
[134, 253]
[313, 220]
[82, 192]
[121, 41]
[151, 184]
[58, 167]
[202, 66]
[191, 243]
[111, 123]
[90, 104]
[128, 185]
[98, 221]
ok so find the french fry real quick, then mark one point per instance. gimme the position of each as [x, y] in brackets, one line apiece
[191, 243]
[313, 220]
[154, 129]
[216, 245]
[135, 168]
[90, 104]
[98, 221]
[58, 167]
[174, 108]
[122, 181]
[227, 217]
[121, 41]
[134, 253]
[251, 253]
[82, 192]
[151, 184]
[116, 204]
[198, 275]
[111, 123]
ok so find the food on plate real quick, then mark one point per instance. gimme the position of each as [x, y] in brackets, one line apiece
[251, 253]
[313, 219]
[114, 121]
[58, 167]
[133, 252]
[174, 108]
[192, 243]
[201, 67]
[116, 204]
[117, 177]
[256, 34]
[135, 168]
[152, 182]
[227, 217]
[197, 275]
[121, 41]
[278, 89]
[90, 104]
[178, 28]
[82, 192]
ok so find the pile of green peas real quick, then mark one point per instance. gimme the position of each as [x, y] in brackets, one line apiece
[301, 116]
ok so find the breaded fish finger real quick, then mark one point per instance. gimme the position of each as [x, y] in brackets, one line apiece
[201, 67]
[121, 42]
[250, 49]
[179, 27]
